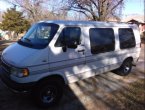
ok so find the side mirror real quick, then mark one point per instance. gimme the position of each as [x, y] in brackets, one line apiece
[20, 38]
[64, 48]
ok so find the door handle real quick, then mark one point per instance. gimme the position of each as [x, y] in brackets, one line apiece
[81, 50]
[82, 45]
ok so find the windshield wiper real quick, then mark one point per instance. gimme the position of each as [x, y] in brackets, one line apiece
[27, 39]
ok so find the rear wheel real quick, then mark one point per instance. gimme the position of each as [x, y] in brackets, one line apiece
[125, 68]
[48, 93]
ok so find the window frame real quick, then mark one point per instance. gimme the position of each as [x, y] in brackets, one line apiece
[65, 27]
[113, 40]
[27, 43]
[133, 38]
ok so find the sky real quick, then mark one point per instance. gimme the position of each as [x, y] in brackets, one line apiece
[4, 5]
[131, 7]
[134, 7]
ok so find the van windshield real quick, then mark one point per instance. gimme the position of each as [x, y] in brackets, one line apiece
[39, 35]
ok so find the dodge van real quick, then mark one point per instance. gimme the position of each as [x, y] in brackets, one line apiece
[55, 53]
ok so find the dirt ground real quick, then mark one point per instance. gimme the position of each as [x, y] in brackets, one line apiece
[96, 93]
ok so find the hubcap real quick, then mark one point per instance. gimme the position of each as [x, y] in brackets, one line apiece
[48, 95]
[126, 68]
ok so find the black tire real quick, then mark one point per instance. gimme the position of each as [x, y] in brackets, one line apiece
[48, 93]
[125, 68]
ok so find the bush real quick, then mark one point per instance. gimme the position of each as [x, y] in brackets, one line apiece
[142, 35]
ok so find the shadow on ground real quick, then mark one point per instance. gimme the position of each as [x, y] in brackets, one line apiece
[102, 92]
[105, 91]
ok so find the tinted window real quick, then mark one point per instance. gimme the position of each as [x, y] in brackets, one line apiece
[126, 38]
[69, 36]
[101, 40]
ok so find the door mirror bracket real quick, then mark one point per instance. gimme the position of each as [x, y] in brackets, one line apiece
[64, 48]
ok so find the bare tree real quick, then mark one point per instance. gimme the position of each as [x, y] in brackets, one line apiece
[1, 15]
[37, 10]
[100, 10]
[31, 8]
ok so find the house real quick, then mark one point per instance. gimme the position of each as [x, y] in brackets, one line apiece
[136, 19]
[141, 24]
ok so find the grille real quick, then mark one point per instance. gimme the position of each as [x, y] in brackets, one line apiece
[6, 67]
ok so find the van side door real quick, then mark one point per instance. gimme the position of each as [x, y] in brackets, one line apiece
[67, 53]
[101, 49]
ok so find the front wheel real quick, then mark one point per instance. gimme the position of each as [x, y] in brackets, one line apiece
[125, 68]
[48, 94]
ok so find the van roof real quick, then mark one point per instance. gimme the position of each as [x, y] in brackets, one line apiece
[89, 23]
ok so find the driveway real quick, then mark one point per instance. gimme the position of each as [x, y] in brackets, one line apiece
[88, 94]
[3, 44]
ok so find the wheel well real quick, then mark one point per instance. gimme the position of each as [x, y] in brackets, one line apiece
[52, 77]
[131, 58]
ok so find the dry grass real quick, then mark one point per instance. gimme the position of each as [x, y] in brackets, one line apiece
[131, 97]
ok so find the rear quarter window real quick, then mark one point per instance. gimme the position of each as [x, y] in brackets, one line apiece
[126, 38]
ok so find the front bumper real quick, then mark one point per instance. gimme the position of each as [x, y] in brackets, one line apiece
[19, 87]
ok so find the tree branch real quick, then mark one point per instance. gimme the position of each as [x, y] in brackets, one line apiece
[82, 12]
[119, 2]
[94, 3]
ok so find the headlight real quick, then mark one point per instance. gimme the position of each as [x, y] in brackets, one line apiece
[20, 72]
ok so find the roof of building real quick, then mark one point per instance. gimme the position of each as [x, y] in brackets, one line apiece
[139, 18]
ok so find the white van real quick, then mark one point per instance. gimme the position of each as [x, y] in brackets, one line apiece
[55, 53]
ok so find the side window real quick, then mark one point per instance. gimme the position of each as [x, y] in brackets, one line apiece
[69, 37]
[126, 38]
[101, 40]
